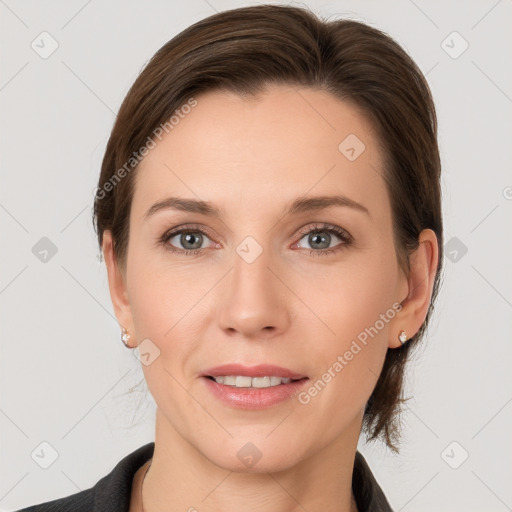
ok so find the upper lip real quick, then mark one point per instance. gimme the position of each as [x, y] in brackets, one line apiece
[261, 370]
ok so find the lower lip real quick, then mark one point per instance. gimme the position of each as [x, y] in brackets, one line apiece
[254, 398]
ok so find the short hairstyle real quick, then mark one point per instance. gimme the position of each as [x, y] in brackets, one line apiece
[243, 50]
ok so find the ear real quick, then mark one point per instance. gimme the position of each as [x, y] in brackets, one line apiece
[418, 286]
[117, 284]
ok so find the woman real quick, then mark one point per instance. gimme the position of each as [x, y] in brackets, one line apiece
[269, 210]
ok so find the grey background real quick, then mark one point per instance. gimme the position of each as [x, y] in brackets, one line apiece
[64, 373]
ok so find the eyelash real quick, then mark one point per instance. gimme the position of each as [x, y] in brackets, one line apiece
[317, 228]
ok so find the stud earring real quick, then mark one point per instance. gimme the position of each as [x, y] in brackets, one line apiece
[402, 337]
[125, 338]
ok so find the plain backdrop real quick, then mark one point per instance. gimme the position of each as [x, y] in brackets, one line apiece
[65, 376]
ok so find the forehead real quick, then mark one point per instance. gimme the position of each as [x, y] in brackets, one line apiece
[285, 143]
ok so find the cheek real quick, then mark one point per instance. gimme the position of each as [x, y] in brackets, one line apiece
[346, 366]
[167, 309]
[351, 298]
[356, 306]
[153, 306]
[160, 294]
[162, 313]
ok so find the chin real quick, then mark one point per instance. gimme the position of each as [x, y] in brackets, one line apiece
[254, 457]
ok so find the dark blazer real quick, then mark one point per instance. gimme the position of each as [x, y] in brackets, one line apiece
[112, 493]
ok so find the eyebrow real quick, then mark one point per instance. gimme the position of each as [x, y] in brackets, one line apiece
[300, 205]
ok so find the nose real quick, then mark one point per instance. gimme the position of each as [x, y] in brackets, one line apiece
[254, 301]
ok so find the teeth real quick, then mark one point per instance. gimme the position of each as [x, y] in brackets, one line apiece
[242, 381]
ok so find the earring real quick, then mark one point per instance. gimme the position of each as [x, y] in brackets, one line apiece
[125, 337]
[402, 337]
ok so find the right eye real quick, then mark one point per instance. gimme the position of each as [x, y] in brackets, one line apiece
[190, 238]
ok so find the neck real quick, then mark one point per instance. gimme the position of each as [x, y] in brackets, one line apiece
[183, 479]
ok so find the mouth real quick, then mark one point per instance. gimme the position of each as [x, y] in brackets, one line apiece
[245, 381]
[260, 376]
[254, 388]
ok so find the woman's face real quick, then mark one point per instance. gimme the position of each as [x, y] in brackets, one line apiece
[256, 287]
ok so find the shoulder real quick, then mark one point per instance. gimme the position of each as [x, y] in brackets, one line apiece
[367, 491]
[112, 492]
[81, 501]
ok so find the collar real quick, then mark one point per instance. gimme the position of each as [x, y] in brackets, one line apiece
[113, 491]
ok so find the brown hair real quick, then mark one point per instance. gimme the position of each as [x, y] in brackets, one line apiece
[242, 50]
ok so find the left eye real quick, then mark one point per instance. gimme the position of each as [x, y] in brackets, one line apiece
[321, 237]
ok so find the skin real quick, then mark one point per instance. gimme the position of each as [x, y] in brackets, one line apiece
[252, 157]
